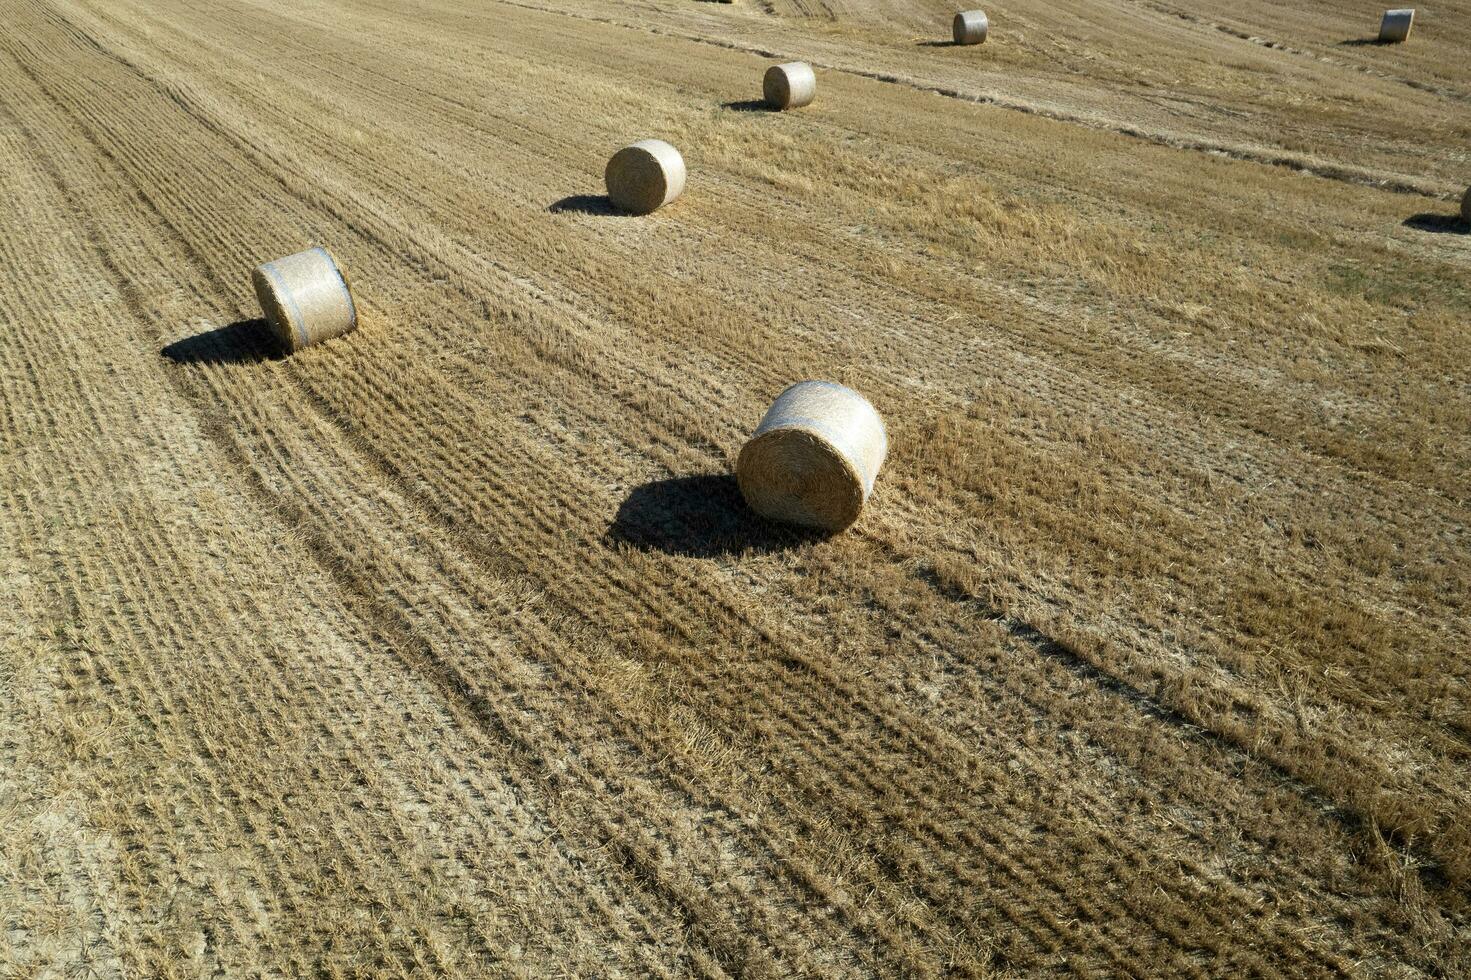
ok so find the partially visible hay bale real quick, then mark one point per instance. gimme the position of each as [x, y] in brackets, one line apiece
[789, 86]
[645, 176]
[1466, 206]
[970, 27]
[1395, 27]
[813, 459]
[306, 298]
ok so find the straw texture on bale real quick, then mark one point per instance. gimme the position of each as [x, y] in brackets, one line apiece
[970, 27]
[789, 86]
[1395, 26]
[306, 298]
[1466, 206]
[814, 458]
[645, 176]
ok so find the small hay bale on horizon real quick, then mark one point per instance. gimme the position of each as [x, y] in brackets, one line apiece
[306, 298]
[644, 176]
[789, 86]
[814, 458]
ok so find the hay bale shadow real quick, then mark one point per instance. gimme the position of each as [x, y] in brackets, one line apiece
[749, 105]
[596, 204]
[1439, 224]
[1364, 42]
[241, 342]
[698, 517]
[936, 44]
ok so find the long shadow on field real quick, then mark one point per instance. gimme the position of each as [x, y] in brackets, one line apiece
[598, 204]
[1440, 224]
[936, 44]
[699, 517]
[241, 342]
[748, 105]
[1364, 42]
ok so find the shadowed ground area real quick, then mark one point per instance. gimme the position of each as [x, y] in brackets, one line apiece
[700, 517]
[598, 204]
[241, 342]
[749, 105]
[1439, 223]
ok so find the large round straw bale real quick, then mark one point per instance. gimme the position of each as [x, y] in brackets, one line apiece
[645, 176]
[306, 298]
[789, 86]
[970, 26]
[1395, 26]
[814, 457]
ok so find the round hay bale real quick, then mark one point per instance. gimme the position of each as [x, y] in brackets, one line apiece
[789, 86]
[306, 298]
[645, 176]
[1395, 27]
[1466, 206]
[813, 459]
[970, 27]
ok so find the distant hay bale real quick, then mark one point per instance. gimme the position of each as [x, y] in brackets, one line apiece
[306, 298]
[970, 27]
[789, 86]
[645, 176]
[814, 458]
[1395, 27]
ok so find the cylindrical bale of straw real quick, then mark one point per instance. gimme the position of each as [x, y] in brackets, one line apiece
[1395, 27]
[970, 27]
[789, 86]
[645, 176]
[814, 457]
[306, 298]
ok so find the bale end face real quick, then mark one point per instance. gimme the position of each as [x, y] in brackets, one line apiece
[797, 477]
[645, 176]
[970, 27]
[814, 458]
[290, 336]
[789, 86]
[1395, 26]
[306, 298]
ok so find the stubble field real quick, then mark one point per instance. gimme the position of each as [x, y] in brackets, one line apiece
[449, 646]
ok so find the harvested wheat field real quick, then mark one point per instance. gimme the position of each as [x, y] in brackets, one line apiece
[448, 646]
